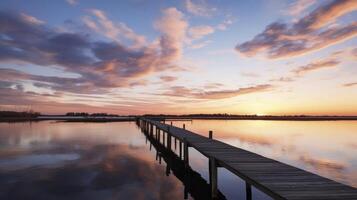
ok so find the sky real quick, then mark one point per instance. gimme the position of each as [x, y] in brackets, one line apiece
[265, 57]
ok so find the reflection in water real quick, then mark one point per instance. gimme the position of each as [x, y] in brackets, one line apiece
[80, 163]
[327, 148]
[25, 161]
[49, 160]
[193, 182]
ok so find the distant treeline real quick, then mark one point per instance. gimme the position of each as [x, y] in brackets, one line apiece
[252, 117]
[84, 114]
[14, 114]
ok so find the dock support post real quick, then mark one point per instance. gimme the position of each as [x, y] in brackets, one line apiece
[248, 191]
[185, 152]
[171, 123]
[184, 126]
[210, 134]
[213, 178]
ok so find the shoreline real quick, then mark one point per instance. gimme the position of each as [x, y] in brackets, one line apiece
[178, 118]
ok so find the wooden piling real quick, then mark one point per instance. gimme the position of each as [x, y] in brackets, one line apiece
[213, 178]
[185, 152]
[210, 134]
[248, 191]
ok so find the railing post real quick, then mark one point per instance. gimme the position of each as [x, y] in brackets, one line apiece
[213, 177]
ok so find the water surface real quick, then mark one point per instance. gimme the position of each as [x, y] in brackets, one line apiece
[56, 160]
[328, 148]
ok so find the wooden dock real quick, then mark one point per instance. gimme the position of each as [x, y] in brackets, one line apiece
[278, 180]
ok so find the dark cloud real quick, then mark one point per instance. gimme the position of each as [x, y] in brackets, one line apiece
[101, 66]
[281, 40]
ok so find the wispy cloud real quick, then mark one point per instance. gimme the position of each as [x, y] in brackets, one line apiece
[115, 31]
[322, 163]
[198, 32]
[31, 19]
[199, 8]
[250, 74]
[199, 45]
[218, 94]
[310, 33]
[168, 78]
[316, 65]
[299, 6]
[350, 84]
[224, 25]
[72, 2]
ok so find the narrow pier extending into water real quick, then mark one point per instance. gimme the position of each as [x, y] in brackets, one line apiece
[278, 180]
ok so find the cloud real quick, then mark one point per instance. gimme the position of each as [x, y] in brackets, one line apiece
[198, 32]
[213, 85]
[316, 65]
[224, 25]
[249, 74]
[115, 31]
[199, 8]
[323, 163]
[72, 2]
[281, 40]
[350, 84]
[101, 66]
[200, 44]
[173, 26]
[168, 78]
[31, 19]
[219, 94]
[283, 79]
[299, 6]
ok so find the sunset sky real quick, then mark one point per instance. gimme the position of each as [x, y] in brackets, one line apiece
[178, 57]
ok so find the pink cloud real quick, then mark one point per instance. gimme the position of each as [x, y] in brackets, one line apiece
[199, 8]
[218, 94]
[281, 40]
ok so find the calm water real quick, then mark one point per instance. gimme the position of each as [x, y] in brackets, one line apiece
[328, 148]
[54, 160]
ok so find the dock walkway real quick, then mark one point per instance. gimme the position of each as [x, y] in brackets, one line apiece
[278, 180]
